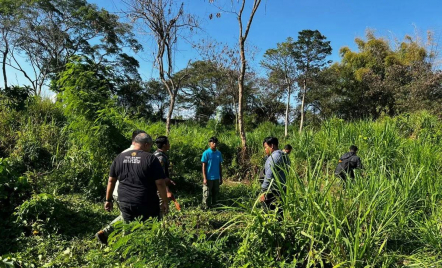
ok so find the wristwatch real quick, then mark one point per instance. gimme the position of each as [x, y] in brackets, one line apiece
[109, 200]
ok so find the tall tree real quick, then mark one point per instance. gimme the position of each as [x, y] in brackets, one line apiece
[281, 65]
[243, 34]
[203, 89]
[52, 31]
[167, 22]
[310, 52]
[244, 29]
[265, 101]
[10, 15]
[227, 60]
[379, 78]
[158, 98]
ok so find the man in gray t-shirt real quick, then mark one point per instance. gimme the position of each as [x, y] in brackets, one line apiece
[275, 169]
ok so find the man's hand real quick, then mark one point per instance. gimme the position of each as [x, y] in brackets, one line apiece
[110, 189]
[169, 181]
[164, 208]
[204, 174]
[262, 198]
[220, 181]
[169, 195]
[108, 206]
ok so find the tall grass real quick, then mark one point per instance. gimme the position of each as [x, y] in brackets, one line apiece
[388, 216]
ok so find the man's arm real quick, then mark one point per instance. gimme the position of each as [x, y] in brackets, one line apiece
[161, 187]
[168, 192]
[168, 181]
[110, 189]
[220, 174]
[204, 174]
[268, 174]
[359, 164]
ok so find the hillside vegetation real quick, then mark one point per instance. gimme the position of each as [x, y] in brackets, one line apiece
[54, 169]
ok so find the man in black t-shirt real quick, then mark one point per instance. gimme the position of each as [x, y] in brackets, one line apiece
[103, 234]
[163, 145]
[140, 175]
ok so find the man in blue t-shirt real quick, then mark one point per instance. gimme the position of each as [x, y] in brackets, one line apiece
[212, 173]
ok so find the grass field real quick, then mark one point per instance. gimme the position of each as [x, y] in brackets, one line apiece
[389, 216]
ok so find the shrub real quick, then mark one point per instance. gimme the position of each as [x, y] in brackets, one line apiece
[13, 188]
[43, 214]
[152, 244]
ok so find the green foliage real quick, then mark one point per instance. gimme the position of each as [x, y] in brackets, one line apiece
[15, 97]
[310, 51]
[204, 89]
[48, 33]
[387, 217]
[42, 214]
[380, 78]
[13, 187]
[94, 120]
[152, 244]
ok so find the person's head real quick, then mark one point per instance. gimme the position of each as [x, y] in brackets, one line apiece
[136, 132]
[162, 143]
[288, 149]
[353, 149]
[270, 145]
[213, 142]
[143, 142]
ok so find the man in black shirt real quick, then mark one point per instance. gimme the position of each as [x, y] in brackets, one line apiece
[163, 145]
[140, 175]
[348, 163]
[103, 234]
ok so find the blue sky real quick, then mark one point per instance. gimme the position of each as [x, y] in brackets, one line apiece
[341, 21]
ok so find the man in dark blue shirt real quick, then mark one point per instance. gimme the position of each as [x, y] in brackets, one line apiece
[348, 163]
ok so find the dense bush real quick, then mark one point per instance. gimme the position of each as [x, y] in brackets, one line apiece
[13, 187]
[42, 214]
[152, 244]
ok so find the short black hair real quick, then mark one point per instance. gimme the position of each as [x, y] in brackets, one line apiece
[161, 141]
[288, 147]
[136, 132]
[271, 140]
[353, 148]
[213, 139]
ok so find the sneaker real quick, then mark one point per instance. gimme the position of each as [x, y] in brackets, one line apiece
[102, 237]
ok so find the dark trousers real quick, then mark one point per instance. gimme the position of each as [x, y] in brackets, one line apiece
[270, 203]
[210, 193]
[342, 176]
[145, 211]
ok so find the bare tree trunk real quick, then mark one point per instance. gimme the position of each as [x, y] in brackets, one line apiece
[236, 118]
[242, 39]
[5, 78]
[301, 124]
[287, 112]
[169, 113]
[242, 133]
[5, 54]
